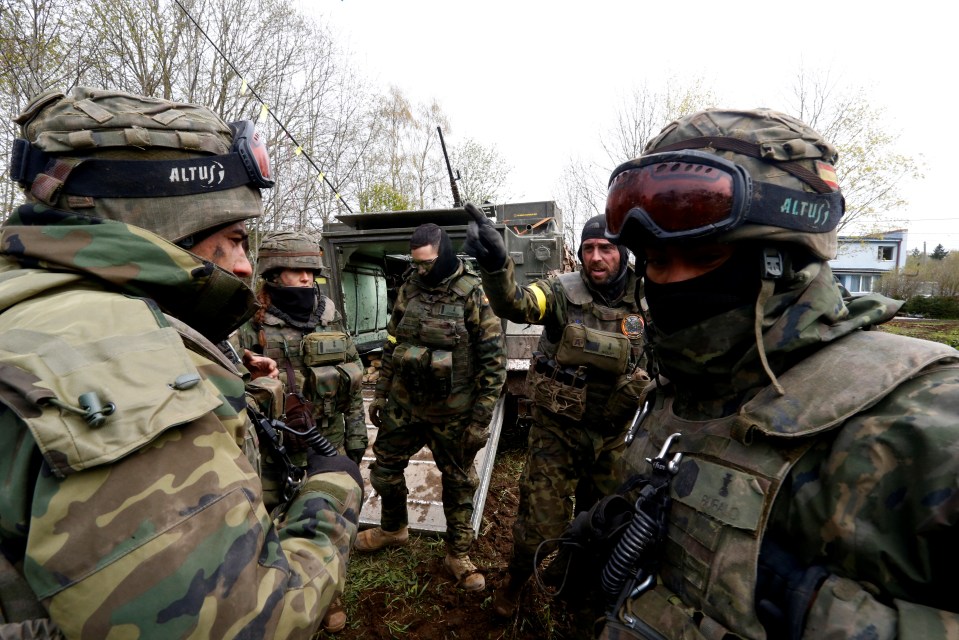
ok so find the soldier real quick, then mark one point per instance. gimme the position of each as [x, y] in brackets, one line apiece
[584, 380]
[444, 365]
[299, 328]
[816, 486]
[129, 507]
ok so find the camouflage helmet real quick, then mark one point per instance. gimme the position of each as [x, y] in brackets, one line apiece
[175, 169]
[288, 250]
[794, 195]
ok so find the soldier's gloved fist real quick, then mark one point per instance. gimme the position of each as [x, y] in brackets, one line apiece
[483, 242]
[475, 436]
[318, 463]
[356, 455]
[376, 407]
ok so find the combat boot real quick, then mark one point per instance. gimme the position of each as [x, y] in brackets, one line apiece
[376, 539]
[335, 619]
[467, 577]
[506, 598]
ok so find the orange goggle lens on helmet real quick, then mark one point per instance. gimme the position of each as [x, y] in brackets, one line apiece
[251, 147]
[677, 194]
[690, 194]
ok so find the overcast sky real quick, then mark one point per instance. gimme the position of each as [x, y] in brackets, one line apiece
[540, 81]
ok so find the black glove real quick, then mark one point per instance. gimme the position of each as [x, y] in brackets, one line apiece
[316, 463]
[483, 242]
[785, 589]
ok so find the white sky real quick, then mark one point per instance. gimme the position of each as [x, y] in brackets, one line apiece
[540, 81]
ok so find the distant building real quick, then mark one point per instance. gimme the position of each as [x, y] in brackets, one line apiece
[861, 260]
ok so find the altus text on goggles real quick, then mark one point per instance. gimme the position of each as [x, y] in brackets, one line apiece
[247, 163]
[690, 194]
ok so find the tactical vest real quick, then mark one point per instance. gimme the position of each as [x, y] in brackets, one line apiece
[433, 357]
[733, 467]
[594, 343]
[323, 361]
[173, 387]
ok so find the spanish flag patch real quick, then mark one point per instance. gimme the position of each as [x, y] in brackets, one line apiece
[828, 174]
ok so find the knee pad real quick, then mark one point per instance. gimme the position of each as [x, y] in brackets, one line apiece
[387, 481]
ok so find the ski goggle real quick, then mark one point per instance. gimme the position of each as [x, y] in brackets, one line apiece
[250, 145]
[691, 194]
[247, 163]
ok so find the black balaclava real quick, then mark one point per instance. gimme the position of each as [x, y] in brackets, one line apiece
[296, 302]
[446, 260]
[594, 228]
[679, 305]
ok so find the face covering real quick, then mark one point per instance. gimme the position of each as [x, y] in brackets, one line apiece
[680, 305]
[296, 302]
[445, 265]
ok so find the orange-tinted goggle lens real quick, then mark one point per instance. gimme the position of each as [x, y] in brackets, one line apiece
[673, 198]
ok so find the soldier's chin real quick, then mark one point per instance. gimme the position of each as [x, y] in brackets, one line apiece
[598, 278]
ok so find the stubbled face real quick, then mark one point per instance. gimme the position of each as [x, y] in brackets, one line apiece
[227, 248]
[424, 257]
[600, 260]
[678, 262]
[295, 278]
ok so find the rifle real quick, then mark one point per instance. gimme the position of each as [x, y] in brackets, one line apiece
[457, 202]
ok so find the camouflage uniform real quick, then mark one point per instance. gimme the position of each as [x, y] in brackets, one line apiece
[444, 366]
[280, 337]
[134, 511]
[817, 491]
[567, 455]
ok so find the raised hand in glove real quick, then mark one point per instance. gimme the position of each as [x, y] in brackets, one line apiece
[483, 241]
[378, 405]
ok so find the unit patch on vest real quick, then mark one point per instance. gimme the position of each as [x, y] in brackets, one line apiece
[728, 495]
[632, 326]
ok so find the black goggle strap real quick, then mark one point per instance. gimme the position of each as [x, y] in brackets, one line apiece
[48, 175]
[753, 150]
[797, 210]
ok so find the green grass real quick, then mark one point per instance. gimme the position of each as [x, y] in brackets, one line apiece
[944, 331]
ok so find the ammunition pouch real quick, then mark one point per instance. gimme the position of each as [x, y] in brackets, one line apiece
[326, 348]
[332, 387]
[658, 614]
[332, 375]
[426, 374]
[626, 395]
[603, 351]
[557, 389]
[439, 333]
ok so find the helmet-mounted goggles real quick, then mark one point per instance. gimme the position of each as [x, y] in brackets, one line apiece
[248, 163]
[691, 194]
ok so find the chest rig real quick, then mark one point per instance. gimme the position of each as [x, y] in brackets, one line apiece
[732, 469]
[433, 357]
[576, 372]
[319, 363]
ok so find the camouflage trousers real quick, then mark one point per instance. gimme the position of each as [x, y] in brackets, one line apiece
[400, 437]
[567, 466]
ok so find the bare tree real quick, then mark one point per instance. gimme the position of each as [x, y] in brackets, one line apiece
[483, 171]
[640, 117]
[870, 168]
[39, 49]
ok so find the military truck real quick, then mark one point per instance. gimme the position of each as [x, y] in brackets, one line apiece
[367, 255]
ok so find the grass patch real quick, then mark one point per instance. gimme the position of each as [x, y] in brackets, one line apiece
[944, 331]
